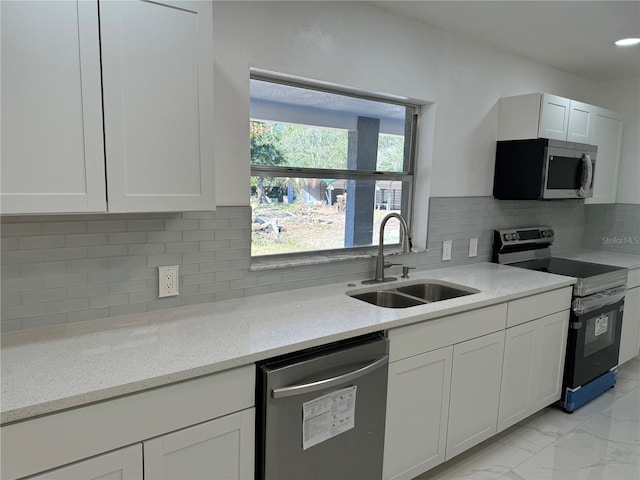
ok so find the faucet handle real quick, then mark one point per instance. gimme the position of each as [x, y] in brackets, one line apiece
[389, 264]
[405, 271]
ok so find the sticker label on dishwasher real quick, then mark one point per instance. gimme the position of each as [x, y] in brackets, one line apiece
[327, 416]
[602, 323]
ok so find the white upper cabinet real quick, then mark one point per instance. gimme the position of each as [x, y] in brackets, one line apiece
[149, 65]
[580, 122]
[607, 135]
[542, 115]
[553, 120]
[158, 105]
[52, 147]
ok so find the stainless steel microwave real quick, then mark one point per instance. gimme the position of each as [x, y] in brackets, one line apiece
[543, 169]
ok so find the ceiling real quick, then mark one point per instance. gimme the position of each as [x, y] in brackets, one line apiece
[574, 36]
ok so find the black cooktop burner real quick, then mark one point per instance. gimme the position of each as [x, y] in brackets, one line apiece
[569, 268]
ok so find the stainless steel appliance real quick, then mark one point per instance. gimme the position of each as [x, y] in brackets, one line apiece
[593, 342]
[542, 169]
[321, 412]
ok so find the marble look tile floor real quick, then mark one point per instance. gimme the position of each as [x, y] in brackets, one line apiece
[601, 440]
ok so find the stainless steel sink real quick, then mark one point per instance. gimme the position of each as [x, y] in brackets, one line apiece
[413, 294]
[389, 299]
[435, 292]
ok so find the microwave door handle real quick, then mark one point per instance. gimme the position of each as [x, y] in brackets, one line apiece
[587, 175]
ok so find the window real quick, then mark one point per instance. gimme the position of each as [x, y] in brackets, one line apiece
[326, 167]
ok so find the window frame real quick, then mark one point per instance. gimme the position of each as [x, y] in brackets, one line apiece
[407, 176]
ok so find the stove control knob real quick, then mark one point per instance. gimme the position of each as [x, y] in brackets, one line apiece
[506, 237]
[549, 233]
[544, 233]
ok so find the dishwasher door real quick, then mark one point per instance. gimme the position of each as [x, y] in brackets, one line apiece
[321, 412]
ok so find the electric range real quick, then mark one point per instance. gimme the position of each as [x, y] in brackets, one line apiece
[595, 322]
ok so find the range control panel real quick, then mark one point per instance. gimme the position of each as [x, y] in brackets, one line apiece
[521, 236]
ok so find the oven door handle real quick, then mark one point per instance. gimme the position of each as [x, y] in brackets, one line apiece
[582, 305]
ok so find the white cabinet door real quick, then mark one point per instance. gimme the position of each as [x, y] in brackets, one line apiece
[554, 117]
[533, 367]
[551, 345]
[607, 135]
[222, 449]
[52, 145]
[157, 65]
[124, 464]
[580, 122]
[630, 340]
[475, 392]
[518, 371]
[417, 408]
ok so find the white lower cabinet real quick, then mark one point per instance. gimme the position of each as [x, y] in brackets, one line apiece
[475, 392]
[517, 375]
[630, 338]
[417, 411]
[221, 449]
[533, 366]
[551, 347]
[199, 428]
[125, 464]
[458, 380]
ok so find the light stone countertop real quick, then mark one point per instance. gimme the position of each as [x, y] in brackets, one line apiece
[603, 257]
[49, 369]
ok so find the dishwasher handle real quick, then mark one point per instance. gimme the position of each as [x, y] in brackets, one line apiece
[293, 390]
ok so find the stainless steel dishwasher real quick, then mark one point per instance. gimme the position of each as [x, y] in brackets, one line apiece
[321, 412]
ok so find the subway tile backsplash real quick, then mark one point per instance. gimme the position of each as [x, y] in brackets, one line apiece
[59, 269]
[614, 227]
[462, 218]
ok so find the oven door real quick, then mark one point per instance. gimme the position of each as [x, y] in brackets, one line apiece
[593, 342]
[569, 174]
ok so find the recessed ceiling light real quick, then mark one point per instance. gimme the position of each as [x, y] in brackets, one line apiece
[627, 42]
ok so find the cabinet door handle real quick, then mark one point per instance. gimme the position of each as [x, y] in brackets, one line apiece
[293, 390]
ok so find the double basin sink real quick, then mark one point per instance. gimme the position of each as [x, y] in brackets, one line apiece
[413, 294]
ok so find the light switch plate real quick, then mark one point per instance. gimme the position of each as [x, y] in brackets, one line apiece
[446, 249]
[473, 247]
[168, 281]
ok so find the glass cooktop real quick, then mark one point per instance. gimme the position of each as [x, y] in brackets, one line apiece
[591, 277]
[569, 268]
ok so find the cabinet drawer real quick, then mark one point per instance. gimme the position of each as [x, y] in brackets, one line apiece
[633, 279]
[442, 332]
[536, 306]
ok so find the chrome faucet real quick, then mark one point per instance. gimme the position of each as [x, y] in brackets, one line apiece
[406, 248]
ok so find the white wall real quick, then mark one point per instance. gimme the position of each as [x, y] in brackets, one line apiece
[624, 97]
[359, 45]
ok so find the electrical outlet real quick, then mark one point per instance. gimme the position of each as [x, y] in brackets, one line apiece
[473, 247]
[168, 281]
[446, 249]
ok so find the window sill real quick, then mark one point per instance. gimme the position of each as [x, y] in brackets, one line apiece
[272, 262]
